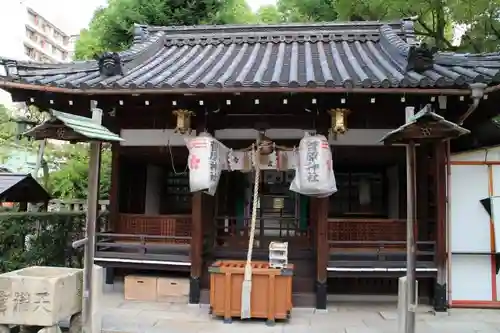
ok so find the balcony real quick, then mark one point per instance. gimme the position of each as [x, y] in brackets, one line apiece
[159, 241]
[374, 248]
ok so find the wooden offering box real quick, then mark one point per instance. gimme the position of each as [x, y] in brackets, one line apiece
[271, 296]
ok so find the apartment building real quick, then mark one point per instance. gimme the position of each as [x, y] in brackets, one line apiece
[26, 34]
[44, 41]
[29, 35]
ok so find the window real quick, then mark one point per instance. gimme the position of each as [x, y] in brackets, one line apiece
[30, 52]
[360, 194]
[26, 50]
[57, 36]
[55, 51]
[176, 197]
[33, 18]
[30, 34]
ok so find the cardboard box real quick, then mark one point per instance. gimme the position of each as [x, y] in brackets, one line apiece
[140, 288]
[172, 290]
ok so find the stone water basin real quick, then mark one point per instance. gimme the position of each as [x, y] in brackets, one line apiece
[40, 295]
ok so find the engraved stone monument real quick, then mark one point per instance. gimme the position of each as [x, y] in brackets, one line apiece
[39, 296]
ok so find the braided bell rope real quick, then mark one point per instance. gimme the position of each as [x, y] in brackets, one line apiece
[255, 202]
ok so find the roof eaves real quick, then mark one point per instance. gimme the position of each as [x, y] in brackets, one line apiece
[84, 126]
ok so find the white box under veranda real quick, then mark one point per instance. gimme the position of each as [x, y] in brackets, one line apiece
[40, 295]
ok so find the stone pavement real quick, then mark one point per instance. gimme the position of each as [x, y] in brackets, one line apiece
[121, 316]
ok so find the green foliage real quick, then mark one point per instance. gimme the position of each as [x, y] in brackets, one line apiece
[111, 28]
[28, 239]
[307, 10]
[435, 20]
[269, 14]
[7, 127]
[236, 12]
[71, 180]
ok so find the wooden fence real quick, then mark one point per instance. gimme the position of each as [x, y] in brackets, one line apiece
[76, 205]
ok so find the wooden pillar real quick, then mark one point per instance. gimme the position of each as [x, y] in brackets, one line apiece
[422, 226]
[114, 192]
[320, 205]
[208, 239]
[114, 202]
[440, 154]
[196, 247]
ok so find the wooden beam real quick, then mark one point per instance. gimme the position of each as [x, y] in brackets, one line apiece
[440, 302]
[321, 208]
[114, 202]
[114, 191]
[196, 247]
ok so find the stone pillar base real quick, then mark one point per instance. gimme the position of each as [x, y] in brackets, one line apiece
[440, 301]
[109, 275]
[194, 290]
[321, 293]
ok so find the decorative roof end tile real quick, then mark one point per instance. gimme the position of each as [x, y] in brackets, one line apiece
[141, 33]
[110, 64]
[10, 68]
[420, 58]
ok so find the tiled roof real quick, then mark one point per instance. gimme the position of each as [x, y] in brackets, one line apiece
[70, 127]
[348, 55]
[21, 188]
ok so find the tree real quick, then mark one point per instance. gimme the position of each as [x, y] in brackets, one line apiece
[307, 10]
[236, 12]
[111, 28]
[7, 126]
[435, 20]
[481, 21]
[71, 180]
[269, 14]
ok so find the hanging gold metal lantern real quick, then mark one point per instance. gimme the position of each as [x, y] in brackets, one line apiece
[183, 121]
[338, 121]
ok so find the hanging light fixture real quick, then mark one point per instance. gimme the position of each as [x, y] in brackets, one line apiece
[338, 121]
[183, 121]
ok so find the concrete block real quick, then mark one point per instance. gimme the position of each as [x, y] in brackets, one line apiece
[402, 296]
[40, 295]
[98, 279]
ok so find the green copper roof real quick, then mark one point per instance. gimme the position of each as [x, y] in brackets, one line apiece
[425, 125]
[73, 128]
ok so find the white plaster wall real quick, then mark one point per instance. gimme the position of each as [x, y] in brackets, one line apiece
[471, 277]
[470, 225]
[153, 190]
[165, 137]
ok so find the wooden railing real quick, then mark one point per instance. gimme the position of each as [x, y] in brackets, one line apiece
[113, 247]
[232, 232]
[76, 205]
[157, 225]
[373, 240]
[366, 230]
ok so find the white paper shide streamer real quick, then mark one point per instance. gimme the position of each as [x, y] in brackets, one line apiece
[314, 169]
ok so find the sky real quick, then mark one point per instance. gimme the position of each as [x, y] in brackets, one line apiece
[82, 10]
